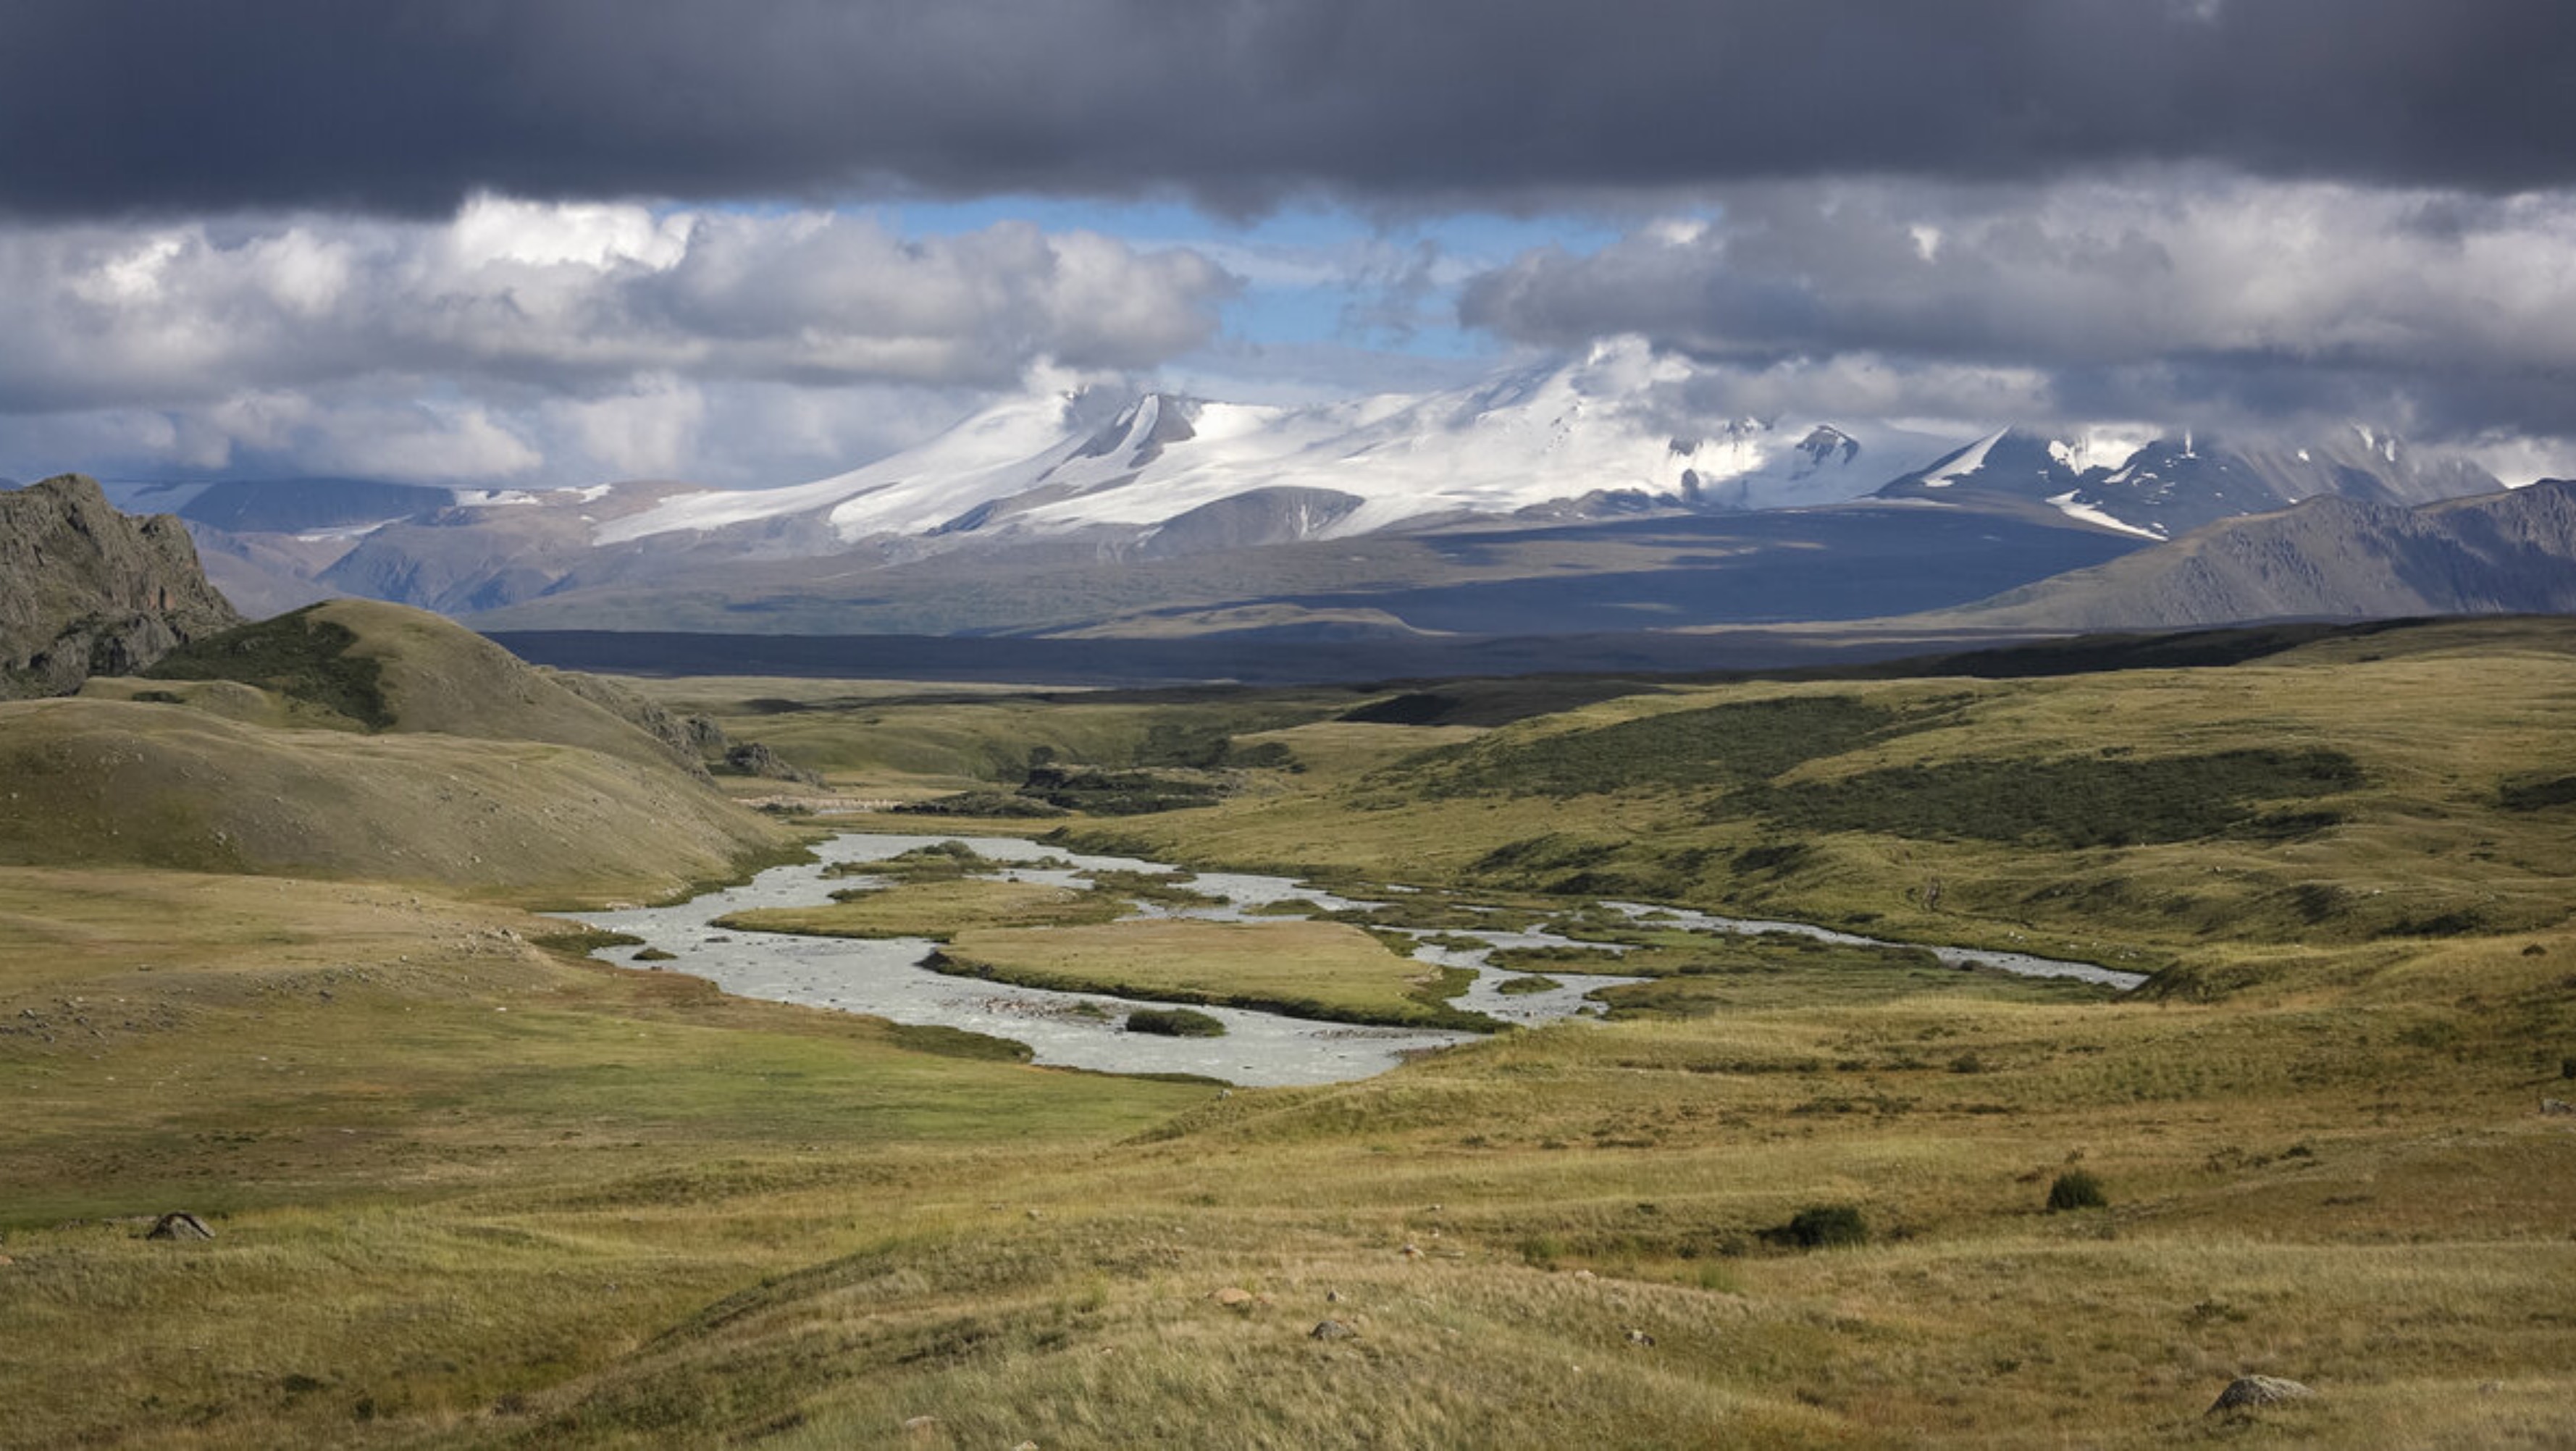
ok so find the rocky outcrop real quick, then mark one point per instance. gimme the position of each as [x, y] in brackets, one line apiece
[751, 758]
[685, 737]
[1250, 520]
[86, 590]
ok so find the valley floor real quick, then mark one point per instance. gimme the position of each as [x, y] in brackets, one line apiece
[468, 1187]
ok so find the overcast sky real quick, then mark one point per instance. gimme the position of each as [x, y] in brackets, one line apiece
[559, 241]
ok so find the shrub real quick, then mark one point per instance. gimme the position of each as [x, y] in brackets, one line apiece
[1542, 1251]
[1826, 1226]
[2076, 1189]
[1174, 1023]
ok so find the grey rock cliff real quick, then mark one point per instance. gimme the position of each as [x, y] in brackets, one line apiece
[86, 590]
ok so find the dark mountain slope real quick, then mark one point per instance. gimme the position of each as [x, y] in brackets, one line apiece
[2328, 558]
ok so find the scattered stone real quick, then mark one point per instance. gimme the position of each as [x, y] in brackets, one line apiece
[921, 1428]
[1411, 1250]
[2557, 1107]
[1233, 1298]
[1641, 1338]
[1332, 1297]
[1026, 1446]
[1331, 1330]
[2247, 1392]
[179, 1225]
[1585, 1275]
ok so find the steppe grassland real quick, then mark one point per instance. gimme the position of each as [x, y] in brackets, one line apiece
[2434, 733]
[2333, 1171]
[444, 1165]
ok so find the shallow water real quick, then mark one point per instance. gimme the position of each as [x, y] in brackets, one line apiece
[1075, 1030]
[2019, 964]
[1083, 1030]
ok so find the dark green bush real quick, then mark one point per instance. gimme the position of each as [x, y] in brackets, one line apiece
[1741, 742]
[2537, 793]
[2084, 801]
[1825, 1226]
[2076, 1189]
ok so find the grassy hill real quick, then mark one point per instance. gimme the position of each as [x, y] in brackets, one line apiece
[381, 667]
[363, 740]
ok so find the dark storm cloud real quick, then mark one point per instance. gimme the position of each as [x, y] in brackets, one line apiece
[2178, 297]
[108, 105]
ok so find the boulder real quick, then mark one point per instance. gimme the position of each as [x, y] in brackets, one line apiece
[2248, 1392]
[179, 1225]
[1331, 1330]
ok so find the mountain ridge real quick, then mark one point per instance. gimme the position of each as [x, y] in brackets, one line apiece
[2327, 557]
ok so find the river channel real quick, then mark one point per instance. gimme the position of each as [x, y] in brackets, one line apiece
[1084, 1030]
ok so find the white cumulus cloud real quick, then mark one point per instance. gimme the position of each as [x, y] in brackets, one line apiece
[555, 338]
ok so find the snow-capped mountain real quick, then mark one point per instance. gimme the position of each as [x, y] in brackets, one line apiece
[2161, 485]
[1070, 477]
[1589, 437]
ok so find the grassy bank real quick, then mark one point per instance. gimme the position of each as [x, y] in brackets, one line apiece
[934, 909]
[1307, 969]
